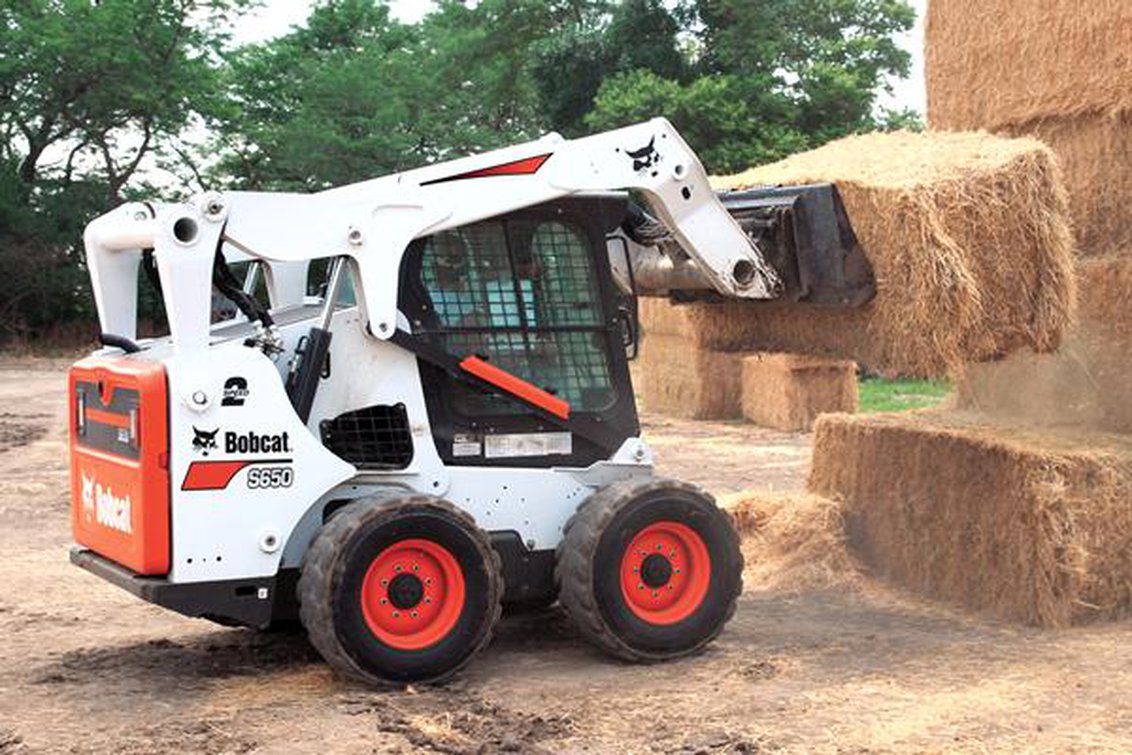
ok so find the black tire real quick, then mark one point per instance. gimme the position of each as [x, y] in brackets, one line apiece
[335, 570]
[589, 568]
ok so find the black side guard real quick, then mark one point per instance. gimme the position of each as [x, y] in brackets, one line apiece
[805, 234]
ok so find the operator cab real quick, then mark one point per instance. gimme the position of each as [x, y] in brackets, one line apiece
[531, 294]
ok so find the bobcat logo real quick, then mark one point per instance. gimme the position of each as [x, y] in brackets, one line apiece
[102, 506]
[88, 498]
[645, 157]
[204, 440]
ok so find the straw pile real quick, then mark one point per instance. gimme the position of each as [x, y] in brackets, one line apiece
[689, 382]
[1058, 70]
[791, 542]
[1086, 383]
[1024, 525]
[789, 391]
[968, 238]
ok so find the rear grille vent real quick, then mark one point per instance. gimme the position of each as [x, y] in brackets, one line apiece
[376, 437]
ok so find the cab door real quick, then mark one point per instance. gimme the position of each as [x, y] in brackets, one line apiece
[531, 293]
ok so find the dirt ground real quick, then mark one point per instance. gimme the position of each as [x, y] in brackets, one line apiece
[86, 668]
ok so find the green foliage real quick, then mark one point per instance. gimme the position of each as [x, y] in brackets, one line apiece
[570, 67]
[727, 119]
[772, 77]
[87, 92]
[905, 119]
[901, 394]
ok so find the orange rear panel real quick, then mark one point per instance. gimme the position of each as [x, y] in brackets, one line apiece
[120, 461]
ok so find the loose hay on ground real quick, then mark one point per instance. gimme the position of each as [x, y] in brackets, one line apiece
[684, 381]
[967, 234]
[1031, 526]
[789, 391]
[792, 542]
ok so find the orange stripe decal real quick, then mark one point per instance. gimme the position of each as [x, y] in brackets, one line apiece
[211, 475]
[522, 167]
[516, 386]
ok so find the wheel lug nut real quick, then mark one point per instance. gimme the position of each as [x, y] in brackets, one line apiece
[384, 601]
[640, 587]
[428, 600]
[416, 567]
[413, 614]
[385, 583]
[396, 615]
[397, 567]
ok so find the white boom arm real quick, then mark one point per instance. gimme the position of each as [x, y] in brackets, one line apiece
[373, 222]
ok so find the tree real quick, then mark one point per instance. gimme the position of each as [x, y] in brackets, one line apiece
[771, 76]
[570, 66]
[87, 93]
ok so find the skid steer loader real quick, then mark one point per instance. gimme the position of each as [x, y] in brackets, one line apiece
[422, 406]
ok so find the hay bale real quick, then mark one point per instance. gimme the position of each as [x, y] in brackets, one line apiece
[996, 63]
[789, 391]
[1095, 153]
[682, 380]
[1059, 71]
[1031, 526]
[968, 237]
[1085, 384]
[791, 542]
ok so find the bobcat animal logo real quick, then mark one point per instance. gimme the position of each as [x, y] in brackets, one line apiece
[645, 157]
[204, 440]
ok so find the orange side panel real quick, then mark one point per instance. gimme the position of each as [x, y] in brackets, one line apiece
[516, 386]
[120, 461]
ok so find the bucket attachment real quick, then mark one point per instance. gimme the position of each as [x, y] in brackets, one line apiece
[805, 234]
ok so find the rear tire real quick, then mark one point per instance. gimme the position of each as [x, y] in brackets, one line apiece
[650, 570]
[404, 588]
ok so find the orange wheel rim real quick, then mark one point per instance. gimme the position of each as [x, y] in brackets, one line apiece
[413, 594]
[665, 573]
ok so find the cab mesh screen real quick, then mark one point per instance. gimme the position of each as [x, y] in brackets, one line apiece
[523, 294]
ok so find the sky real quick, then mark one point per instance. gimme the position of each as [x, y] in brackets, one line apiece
[275, 17]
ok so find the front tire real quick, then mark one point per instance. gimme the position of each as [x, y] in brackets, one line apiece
[400, 589]
[650, 570]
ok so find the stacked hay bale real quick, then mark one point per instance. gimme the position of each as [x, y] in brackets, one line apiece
[1059, 70]
[789, 391]
[1026, 525]
[1024, 509]
[934, 214]
[697, 372]
[682, 379]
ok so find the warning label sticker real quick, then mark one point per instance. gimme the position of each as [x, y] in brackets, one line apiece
[466, 444]
[527, 444]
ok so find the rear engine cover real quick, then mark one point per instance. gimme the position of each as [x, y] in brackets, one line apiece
[120, 462]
